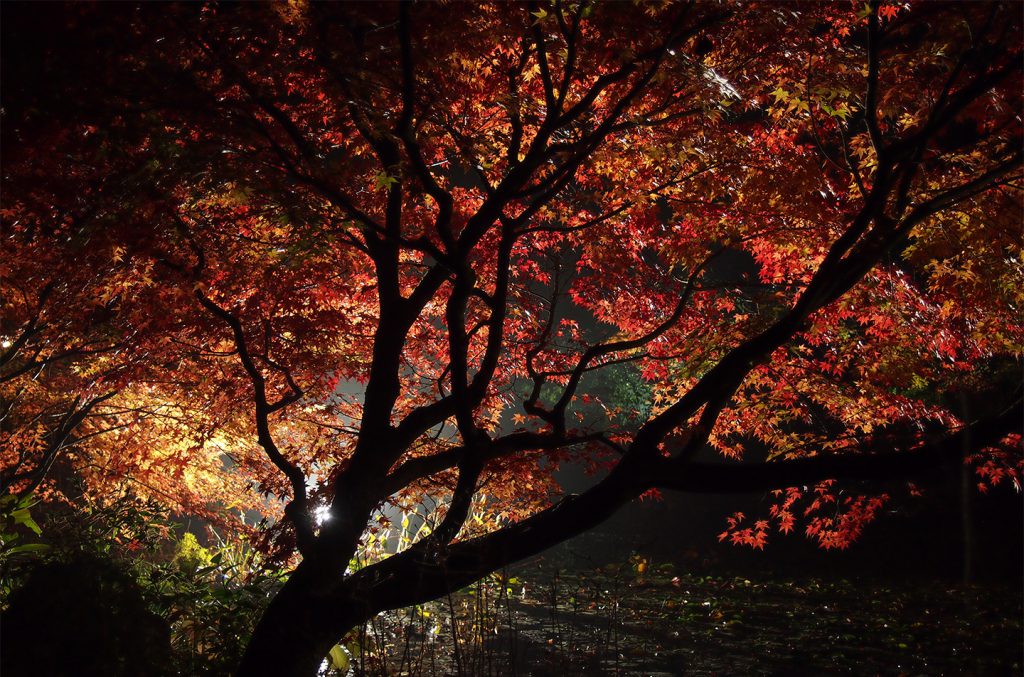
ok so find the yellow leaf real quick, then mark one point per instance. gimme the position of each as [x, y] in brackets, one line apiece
[780, 94]
[339, 659]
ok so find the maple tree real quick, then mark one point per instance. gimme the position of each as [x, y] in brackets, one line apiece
[373, 255]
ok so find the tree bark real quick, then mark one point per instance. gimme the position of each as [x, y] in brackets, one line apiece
[298, 629]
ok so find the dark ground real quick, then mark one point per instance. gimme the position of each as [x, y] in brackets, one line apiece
[645, 618]
[661, 623]
[653, 593]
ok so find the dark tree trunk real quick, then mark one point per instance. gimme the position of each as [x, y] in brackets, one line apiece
[297, 630]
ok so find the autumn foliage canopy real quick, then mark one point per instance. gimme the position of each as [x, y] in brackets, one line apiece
[314, 260]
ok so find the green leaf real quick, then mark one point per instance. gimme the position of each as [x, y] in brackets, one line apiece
[339, 659]
[383, 181]
[29, 547]
[23, 517]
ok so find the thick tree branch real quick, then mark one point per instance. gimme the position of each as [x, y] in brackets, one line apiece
[466, 561]
[877, 462]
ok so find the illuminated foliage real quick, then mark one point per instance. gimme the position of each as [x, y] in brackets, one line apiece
[409, 255]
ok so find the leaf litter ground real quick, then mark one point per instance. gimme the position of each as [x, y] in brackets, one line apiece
[644, 618]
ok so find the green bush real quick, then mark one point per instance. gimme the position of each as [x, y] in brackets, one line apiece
[175, 606]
